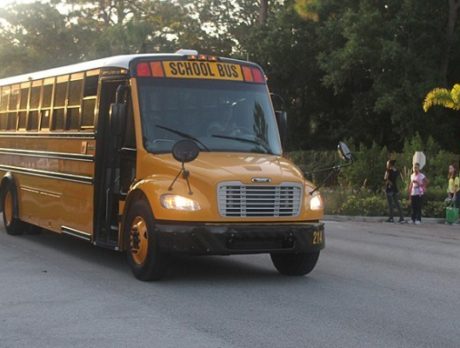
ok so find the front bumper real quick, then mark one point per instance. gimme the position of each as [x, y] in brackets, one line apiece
[227, 239]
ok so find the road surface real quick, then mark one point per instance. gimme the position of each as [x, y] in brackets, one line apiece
[376, 285]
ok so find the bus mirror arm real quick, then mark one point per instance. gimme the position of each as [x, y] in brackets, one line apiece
[345, 154]
[184, 151]
[332, 170]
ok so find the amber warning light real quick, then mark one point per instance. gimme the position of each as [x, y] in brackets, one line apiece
[200, 69]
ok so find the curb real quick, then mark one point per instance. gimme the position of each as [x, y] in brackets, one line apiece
[380, 219]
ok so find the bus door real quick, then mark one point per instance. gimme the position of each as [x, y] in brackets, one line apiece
[115, 164]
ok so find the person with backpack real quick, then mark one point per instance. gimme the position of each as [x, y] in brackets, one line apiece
[391, 190]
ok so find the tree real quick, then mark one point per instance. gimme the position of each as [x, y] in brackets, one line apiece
[443, 97]
[33, 37]
[454, 6]
[379, 58]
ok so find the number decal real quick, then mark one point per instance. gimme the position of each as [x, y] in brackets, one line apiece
[317, 237]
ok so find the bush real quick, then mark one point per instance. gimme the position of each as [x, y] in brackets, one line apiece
[358, 189]
[367, 206]
[354, 202]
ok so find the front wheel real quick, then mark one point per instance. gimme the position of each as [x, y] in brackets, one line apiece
[143, 252]
[295, 264]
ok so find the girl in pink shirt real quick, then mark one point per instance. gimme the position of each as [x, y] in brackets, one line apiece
[417, 187]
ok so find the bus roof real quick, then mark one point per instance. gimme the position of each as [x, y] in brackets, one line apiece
[121, 61]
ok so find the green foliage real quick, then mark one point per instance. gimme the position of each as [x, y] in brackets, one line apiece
[368, 169]
[364, 206]
[359, 188]
[365, 203]
[346, 68]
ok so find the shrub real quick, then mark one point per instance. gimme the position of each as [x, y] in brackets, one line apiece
[358, 189]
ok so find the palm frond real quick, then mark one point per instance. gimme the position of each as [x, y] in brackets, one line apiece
[438, 96]
[455, 94]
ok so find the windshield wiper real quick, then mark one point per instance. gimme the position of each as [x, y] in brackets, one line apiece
[184, 135]
[256, 141]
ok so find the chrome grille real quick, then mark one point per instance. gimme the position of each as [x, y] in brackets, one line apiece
[238, 200]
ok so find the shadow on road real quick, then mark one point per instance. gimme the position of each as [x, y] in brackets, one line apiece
[242, 268]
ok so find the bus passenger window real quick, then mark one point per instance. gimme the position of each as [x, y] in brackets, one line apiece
[90, 86]
[34, 97]
[87, 114]
[3, 121]
[75, 92]
[47, 92]
[11, 121]
[45, 123]
[60, 93]
[73, 118]
[22, 115]
[14, 96]
[33, 120]
[24, 98]
[58, 119]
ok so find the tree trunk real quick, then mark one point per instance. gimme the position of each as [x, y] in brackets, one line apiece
[454, 6]
[263, 12]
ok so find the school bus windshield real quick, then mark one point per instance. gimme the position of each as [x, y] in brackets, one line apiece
[218, 115]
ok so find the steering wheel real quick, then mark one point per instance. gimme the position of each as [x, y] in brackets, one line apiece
[237, 131]
[214, 128]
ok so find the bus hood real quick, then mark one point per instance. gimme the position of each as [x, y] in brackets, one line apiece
[247, 168]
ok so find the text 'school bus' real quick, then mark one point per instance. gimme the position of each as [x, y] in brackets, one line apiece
[156, 154]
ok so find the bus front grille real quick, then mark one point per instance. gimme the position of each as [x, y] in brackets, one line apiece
[238, 200]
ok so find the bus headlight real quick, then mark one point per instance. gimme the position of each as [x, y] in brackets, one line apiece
[316, 203]
[177, 202]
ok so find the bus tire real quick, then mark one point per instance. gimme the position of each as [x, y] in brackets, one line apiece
[295, 264]
[143, 252]
[12, 224]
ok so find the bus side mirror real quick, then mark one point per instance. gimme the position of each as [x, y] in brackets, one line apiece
[344, 152]
[117, 118]
[281, 119]
[118, 111]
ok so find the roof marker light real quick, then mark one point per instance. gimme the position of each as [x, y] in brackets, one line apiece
[185, 52]
[157, 69]
[247, 74]
[258, 76]
[143, 70]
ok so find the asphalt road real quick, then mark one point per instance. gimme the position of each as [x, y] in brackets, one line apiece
[376, 285]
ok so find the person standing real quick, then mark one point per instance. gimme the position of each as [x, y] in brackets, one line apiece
[451, 181]
[417, 188]
[453, 186]
[391, 190]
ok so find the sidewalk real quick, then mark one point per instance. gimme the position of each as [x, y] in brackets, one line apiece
[381, 219]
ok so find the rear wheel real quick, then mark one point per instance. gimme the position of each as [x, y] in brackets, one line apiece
[143, 252]
[295, 264]
[13, 225]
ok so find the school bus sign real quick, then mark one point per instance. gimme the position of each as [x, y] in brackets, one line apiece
[203, 70]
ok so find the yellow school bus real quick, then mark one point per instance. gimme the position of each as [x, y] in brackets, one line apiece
[155, 155]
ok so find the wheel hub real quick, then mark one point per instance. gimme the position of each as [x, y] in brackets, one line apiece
[138, 238]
